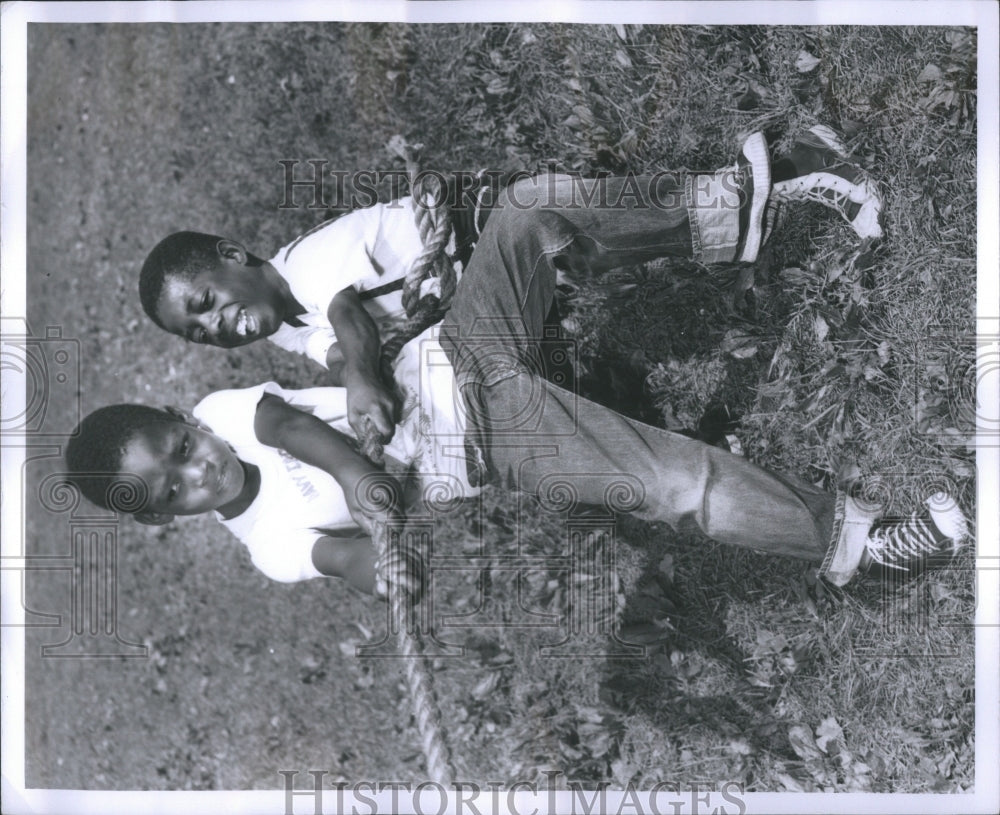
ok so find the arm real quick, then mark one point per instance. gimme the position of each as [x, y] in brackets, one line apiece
[373, 498]
[352, 559]
[358, 338]
[313, 441]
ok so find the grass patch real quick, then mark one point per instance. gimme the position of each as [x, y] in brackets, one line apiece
[837, 365]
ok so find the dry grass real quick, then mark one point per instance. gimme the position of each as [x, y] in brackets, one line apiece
[746, 657]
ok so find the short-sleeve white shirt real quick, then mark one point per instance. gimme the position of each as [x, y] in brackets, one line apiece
[367, 249]
[298, 503]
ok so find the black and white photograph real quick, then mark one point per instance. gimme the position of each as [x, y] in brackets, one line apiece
[654, 379]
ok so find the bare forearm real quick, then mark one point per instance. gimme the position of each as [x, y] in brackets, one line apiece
[357, 336]
[369, 401]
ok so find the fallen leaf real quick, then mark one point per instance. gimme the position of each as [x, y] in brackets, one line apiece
[821, 327]
[622, 771]
[802, 742]
[739, 344]
[485, 686]
[792, 784]
[931, 73]
[805, 62]
[829, 730]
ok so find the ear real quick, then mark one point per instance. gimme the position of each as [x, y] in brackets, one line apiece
[186, 417]
[153, 518]
[231, 250]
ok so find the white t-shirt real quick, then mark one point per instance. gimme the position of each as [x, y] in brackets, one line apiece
[366, 248]
[298, 503]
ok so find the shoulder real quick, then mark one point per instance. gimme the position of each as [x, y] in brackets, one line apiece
[230, 414]
[279, 550]
[350, 226]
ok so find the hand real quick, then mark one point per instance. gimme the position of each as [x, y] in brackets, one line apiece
[369, 401]
[403, 566]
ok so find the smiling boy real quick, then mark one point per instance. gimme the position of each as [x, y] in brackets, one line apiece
[278, 468]
[333, 293]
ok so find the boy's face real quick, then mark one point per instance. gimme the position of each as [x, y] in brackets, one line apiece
[228, 306]
[188, 470]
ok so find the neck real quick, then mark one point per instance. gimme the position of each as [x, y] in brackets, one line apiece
[292, 306]
[251, 487]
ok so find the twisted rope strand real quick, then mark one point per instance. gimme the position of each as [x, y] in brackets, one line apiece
[418, 679]
[435, 228]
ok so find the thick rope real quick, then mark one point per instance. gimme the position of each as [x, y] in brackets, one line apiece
[435, 227]
[418, 679]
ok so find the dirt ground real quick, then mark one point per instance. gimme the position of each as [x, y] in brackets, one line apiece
[136, 132]
[246, 676]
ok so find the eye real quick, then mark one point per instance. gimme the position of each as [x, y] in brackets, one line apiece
[199, 335]
[185, 446]
[172, 492]
[207, 300]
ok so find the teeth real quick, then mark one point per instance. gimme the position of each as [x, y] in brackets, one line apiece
[241, 323]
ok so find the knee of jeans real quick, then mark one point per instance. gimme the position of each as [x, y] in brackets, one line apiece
[521, 194]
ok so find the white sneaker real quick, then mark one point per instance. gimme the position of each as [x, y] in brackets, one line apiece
[909, 544]
[829, 177]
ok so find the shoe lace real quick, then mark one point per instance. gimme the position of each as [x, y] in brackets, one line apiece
[831, 195]
[902, 541]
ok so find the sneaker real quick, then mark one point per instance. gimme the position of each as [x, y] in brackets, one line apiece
[828, 176]
[753, 171]
[924, 539]
[774, 216]
[819, 149]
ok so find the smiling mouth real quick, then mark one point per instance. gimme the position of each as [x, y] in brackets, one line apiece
[246, 324]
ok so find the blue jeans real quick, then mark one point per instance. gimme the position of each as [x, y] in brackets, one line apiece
[540, 438]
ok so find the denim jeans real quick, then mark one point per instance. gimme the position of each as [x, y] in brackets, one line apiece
[546, 440]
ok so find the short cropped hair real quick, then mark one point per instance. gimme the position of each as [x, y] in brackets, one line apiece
[180, 256]
[95, 452]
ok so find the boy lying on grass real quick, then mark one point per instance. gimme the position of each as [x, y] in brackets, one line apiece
[334, 293]
[292, 488]
[527, 434]
[278, 468]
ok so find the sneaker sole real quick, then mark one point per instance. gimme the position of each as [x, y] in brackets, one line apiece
[755, 150]
[830, 140]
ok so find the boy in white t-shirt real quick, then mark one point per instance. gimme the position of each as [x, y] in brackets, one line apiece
[279, 469]
[333, 293]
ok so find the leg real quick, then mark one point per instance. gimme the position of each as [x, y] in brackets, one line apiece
[541, 225]
[548, 442]
[537, 435]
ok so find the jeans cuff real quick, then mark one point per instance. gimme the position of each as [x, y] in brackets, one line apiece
[713, 208]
